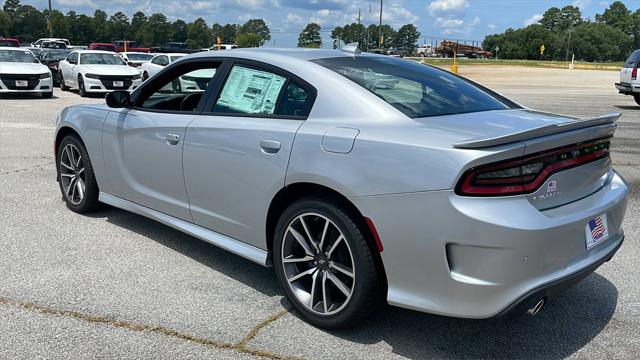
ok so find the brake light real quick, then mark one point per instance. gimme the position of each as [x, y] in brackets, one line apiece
[525, 175]
[634, 73]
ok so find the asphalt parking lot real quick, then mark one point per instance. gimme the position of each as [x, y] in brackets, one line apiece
[116, 285]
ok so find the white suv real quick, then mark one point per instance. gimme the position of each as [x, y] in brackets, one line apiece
[629, 80]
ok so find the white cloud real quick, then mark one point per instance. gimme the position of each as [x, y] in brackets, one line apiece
[331, 18]
[582, 4]
[74, 3]
[532, 20]
[293, 18]
[440, 8]
[492, 26]
[396, 15]
[449, 25]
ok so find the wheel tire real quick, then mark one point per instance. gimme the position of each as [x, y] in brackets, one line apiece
[81, 90]
[63, 87]
[364, 297]
[47, 95]
[90, 200]
[637, 98]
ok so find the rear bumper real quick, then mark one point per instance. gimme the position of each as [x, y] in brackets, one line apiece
[480, 257]
[552, 289]
[628, 89]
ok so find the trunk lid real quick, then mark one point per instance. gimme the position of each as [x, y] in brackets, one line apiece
[565, 142]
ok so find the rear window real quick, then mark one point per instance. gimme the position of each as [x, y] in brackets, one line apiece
[633, 59]
[416, 90]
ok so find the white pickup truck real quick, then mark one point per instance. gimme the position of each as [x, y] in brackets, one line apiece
[629, 80]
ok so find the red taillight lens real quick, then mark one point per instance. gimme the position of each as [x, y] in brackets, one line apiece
[634, 73]
[523, 176]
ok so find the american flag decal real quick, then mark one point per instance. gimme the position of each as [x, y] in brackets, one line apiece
[597, 228]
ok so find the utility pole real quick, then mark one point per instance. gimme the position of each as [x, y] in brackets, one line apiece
[380, 28]
[49, 21]
[566, 58]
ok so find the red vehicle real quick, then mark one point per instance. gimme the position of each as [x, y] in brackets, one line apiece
[10, 42]
[102, 46]
[129, 46]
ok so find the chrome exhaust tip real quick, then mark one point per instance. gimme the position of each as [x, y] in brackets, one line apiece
[536, 308]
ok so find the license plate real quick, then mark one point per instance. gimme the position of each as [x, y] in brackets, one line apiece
[596, 231]
[118, 84]
[22, 83]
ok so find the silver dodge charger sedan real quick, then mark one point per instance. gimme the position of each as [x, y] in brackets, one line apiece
[360, 178]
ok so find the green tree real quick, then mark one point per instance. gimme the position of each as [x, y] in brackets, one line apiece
[635, 29]
[11, 6]
[310, 36]
[228, 33]
[406, 37]
[138, 21]
[5, 22]
[617, 15]
[156, 31]
[248, 40]
[336, 35]
[118, 26]
[257, 27]
[60, 25]
[551, 18]
[99, 23]
[28, 24]
[81, 28]
[199, 35]
[570, 17]
[600, 42]
[179, 31]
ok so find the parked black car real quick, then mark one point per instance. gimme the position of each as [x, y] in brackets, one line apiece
[51, 58]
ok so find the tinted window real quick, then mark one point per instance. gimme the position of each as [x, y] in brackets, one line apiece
[17, 56]
[414, 89]
[101, 59]
[160, 60]
[55, 54]
[294, 101]
[250, 91]
[179, 90]
[633, 60]
[139, 57]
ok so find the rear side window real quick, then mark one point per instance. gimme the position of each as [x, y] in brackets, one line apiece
[252, 91]
[414, 89]
[633, 59]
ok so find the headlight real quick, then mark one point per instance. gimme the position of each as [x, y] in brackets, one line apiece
[45, 75]
[92, 76]
[136, 76]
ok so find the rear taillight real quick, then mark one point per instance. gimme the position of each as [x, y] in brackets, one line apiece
[523, 176]
[634, 73]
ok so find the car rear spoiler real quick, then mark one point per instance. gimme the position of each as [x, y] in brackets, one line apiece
[483, 142]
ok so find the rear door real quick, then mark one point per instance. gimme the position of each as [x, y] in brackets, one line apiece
[236, 156]
[143, 145]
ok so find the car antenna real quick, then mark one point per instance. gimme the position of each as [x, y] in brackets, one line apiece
[351, 48]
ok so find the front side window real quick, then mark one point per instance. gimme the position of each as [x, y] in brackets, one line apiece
[17, 56]
[161, 60]
[414, 89]
[250, 91]
[179, 90]
[101, 59]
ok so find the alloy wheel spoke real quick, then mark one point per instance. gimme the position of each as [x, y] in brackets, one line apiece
[300, 239]
[341, 268]
[306, 230]
[79, 160]
[335, 245]
[71, 185]
[314, 282]
[304, 273]
[70, 157]
[338, 283]
[68, 167]
[325, 298]
[81, 171]
[68, 176]
[80, 186]
[324, 234]
[289, 260]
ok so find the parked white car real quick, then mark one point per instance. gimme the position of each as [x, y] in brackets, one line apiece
[136, 59]
[158, 63]
[94, 71]
[21, 72]
[629, 80]
[38, 43]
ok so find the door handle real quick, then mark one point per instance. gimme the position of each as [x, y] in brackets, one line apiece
[269, 146]
[172, 139]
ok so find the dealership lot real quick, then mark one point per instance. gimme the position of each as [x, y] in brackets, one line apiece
[115, 284]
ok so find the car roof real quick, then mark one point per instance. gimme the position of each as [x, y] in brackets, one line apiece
[93, 52]
[14, 48]
[279, 53]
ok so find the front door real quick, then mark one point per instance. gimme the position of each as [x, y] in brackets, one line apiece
[143, 145]
[236, 157]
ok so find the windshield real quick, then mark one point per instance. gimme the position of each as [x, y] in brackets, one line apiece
[17, 56]
[55, 54]
[174, 58]
[101, 59]
[139, 57]
[414, 89]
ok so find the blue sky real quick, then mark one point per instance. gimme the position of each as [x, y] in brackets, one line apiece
[455, 19]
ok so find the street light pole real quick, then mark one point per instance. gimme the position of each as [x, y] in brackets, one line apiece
[49, 21]
[380, 28]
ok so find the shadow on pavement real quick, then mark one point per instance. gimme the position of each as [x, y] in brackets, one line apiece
[233, 266]
[560, 329]
[26, 96]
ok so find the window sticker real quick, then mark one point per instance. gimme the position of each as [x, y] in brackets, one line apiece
[251, 91]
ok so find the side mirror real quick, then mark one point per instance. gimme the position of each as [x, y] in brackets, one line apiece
[118, 99]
